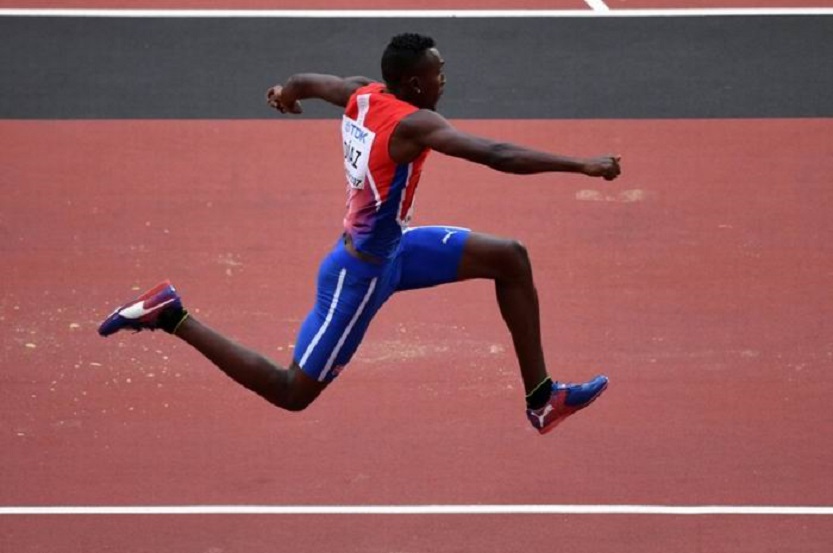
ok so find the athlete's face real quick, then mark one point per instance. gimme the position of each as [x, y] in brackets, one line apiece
[429, 80]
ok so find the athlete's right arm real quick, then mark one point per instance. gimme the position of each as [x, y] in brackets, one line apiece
[428, 129]
[336, 90]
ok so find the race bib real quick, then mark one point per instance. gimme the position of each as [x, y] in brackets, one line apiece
[357, 141]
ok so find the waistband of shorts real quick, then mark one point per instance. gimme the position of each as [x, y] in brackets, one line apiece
[362, 256]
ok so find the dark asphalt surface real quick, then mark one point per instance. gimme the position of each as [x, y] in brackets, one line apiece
[168, 68]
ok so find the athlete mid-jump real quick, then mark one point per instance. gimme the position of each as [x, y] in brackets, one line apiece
[388, 130]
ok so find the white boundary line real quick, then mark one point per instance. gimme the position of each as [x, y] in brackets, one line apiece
[597, 5]
[409, 14]
[419, 510]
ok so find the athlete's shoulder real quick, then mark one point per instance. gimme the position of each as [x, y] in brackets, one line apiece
[371, 87]
[423, 120]
[378, 104]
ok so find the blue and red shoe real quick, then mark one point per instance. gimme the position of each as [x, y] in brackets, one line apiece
[159, 307]
[565, 400]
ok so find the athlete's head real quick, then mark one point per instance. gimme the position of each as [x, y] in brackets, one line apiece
[413, 70]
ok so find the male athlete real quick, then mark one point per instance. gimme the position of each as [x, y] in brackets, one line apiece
[388, 130]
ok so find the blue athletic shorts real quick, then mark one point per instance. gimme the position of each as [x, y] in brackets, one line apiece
[350, 292]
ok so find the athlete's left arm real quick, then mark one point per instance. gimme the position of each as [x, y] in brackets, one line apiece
[335, 90]
[428, 129]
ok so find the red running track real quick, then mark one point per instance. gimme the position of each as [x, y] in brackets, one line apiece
[699, 282]
[298, 4]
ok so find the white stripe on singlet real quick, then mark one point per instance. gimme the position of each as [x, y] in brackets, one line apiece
[404, 222]
[323, 329]
[363, 102]
[374, 189]
[347, 330]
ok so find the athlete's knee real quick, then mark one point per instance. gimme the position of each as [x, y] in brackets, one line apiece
[297, 404]
[520, 252]
[295, 407]
[516, 260]
[300, 391]
[289, 399]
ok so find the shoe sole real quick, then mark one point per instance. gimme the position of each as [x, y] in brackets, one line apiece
[112, 324]
[550, 427]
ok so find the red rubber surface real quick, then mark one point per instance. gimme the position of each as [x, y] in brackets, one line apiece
[299, 4]
[699, 282]
[458, 533]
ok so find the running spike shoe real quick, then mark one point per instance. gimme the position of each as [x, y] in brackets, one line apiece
[565, 400]
[145, 312]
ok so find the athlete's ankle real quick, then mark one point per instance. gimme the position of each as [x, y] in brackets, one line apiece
[171, 319]
[540, 394]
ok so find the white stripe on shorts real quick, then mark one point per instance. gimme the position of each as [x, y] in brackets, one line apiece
[347, 330]
[323, 329]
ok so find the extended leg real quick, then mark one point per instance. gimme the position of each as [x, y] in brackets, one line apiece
[289, 388]
[161, 308]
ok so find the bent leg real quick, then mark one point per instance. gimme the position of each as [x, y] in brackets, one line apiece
[507, 263]
[288, 388]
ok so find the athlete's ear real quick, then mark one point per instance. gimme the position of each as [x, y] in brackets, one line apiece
[414, 83]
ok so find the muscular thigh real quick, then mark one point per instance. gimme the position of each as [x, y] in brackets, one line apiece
[492, 257]
[347, 298]
[430, 256]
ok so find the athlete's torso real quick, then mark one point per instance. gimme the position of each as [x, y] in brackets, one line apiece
[380, 192]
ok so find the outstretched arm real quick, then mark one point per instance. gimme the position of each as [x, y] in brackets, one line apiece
[336, 90]
[428, 129]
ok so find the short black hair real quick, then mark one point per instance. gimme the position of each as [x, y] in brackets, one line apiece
[403, 54]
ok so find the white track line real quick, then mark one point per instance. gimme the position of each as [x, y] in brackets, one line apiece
[419, 510]
[597, 5]
[408, 14]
